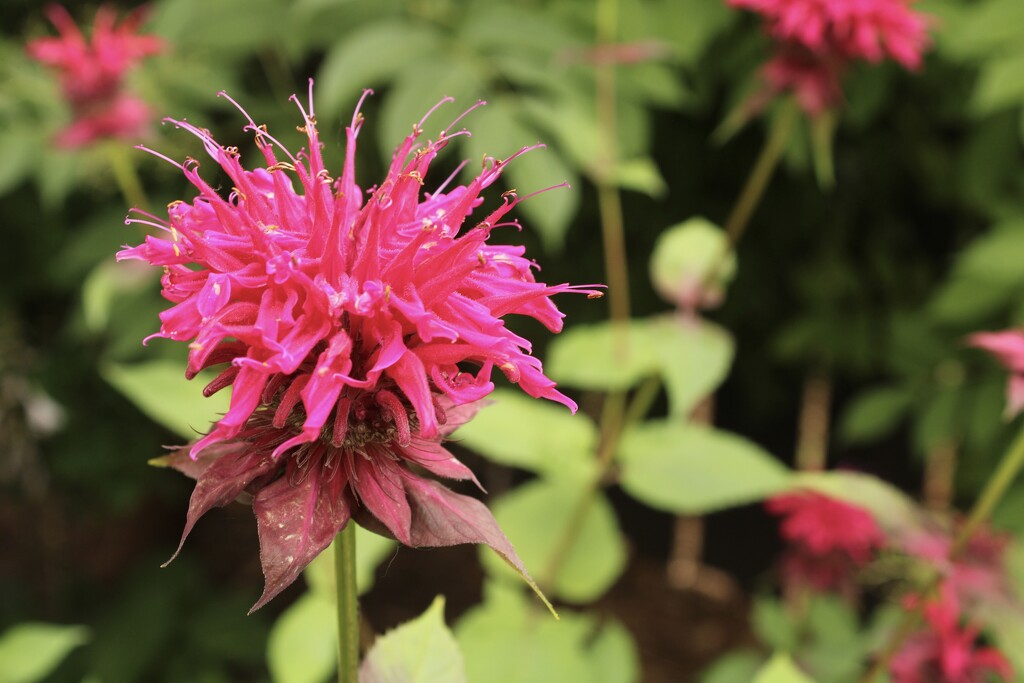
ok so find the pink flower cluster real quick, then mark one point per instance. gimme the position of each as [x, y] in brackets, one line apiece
[816, 39]
[945, 650]
[92, 74]
[356, 330]
[828, 539]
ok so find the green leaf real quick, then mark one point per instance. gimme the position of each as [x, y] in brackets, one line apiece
[874, 414]
[694, 357]
[359, 62]
[30, 651]
[303, 643]
[499, 131]
[160, 390]
[532, 434]
[536, 517]
[773, 624]
[735, 667]
[836, 648]
[18, 147]
[683, 257]
[1000, 84]
[371, 550]
[603, 356]
[641, 174]
[781, 669]
[420, 651]
[692, 469]
[504, 640]
[894, 511]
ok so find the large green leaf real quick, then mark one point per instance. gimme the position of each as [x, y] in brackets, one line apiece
[160, 390]
[359, 62]
[693, 469]
[874, 414]
[536, 517]
[694, 357]
[303, 642]
[29, 652]
[1000, 84]
[532, 434]
[781, 669]
[504, 640]
[420, 651]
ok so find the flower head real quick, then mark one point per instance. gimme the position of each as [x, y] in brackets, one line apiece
[817, 39]
[945, 651]
[356, 332]
[828, 538]
[91, 73]
[978, 572]
[1008, 347]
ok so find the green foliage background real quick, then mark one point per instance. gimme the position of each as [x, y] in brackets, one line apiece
[875, 281]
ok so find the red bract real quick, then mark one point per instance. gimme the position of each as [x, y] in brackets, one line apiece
[356, 336]
[828, 539]
[1008, 347]
[92, 73]
[944, 651]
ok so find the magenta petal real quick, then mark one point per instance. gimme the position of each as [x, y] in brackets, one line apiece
[296, 522]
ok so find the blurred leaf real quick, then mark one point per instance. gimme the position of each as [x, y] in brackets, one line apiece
[781, 669]
[874, 414]
[1000, 84]
[29, 652]
[773, 624]
[982, 28]
[504, 640]
[420, 86]
[485, 27]
[641, 175]
[359, 62]
[220, 630]
[303, 642]
[160, 390]
[106, 287]
[18, 147]
[835, 649]
[536, 517]
[734, 667]
[371, 550]
[603, 356]
[198, 24]
[693, 469]
[534, 435]
[694, 357]
[419, 651]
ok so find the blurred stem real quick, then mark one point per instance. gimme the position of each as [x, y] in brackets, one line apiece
[613, 232]
[761, 174]
[348, 604]
[996, 487]
[812, 437]
[939, 477]
[126, 175]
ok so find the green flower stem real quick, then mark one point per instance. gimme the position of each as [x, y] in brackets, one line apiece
[812, 435]
[348, 604]
[126, 175]
[996, 487]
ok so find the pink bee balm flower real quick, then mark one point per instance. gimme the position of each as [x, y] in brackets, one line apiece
[1008, 348]
[829, 539]
[92, 73]
[978, 572]
[357, 334]
[946, 652]
[816, 39]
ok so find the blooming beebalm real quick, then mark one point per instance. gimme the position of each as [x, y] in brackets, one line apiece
[355, 329]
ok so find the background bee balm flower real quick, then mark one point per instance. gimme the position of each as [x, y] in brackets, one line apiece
[356, 337]
[92, 73]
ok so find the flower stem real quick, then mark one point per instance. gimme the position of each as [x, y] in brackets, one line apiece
[812, 436]
[126, 176]
[348, 604]
[996, 487]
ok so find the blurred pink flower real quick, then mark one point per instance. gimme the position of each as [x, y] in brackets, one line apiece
[357, 335]
[944, 651]
[817, 39]
[829, 539]
[1008, 347]
[92, 73]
